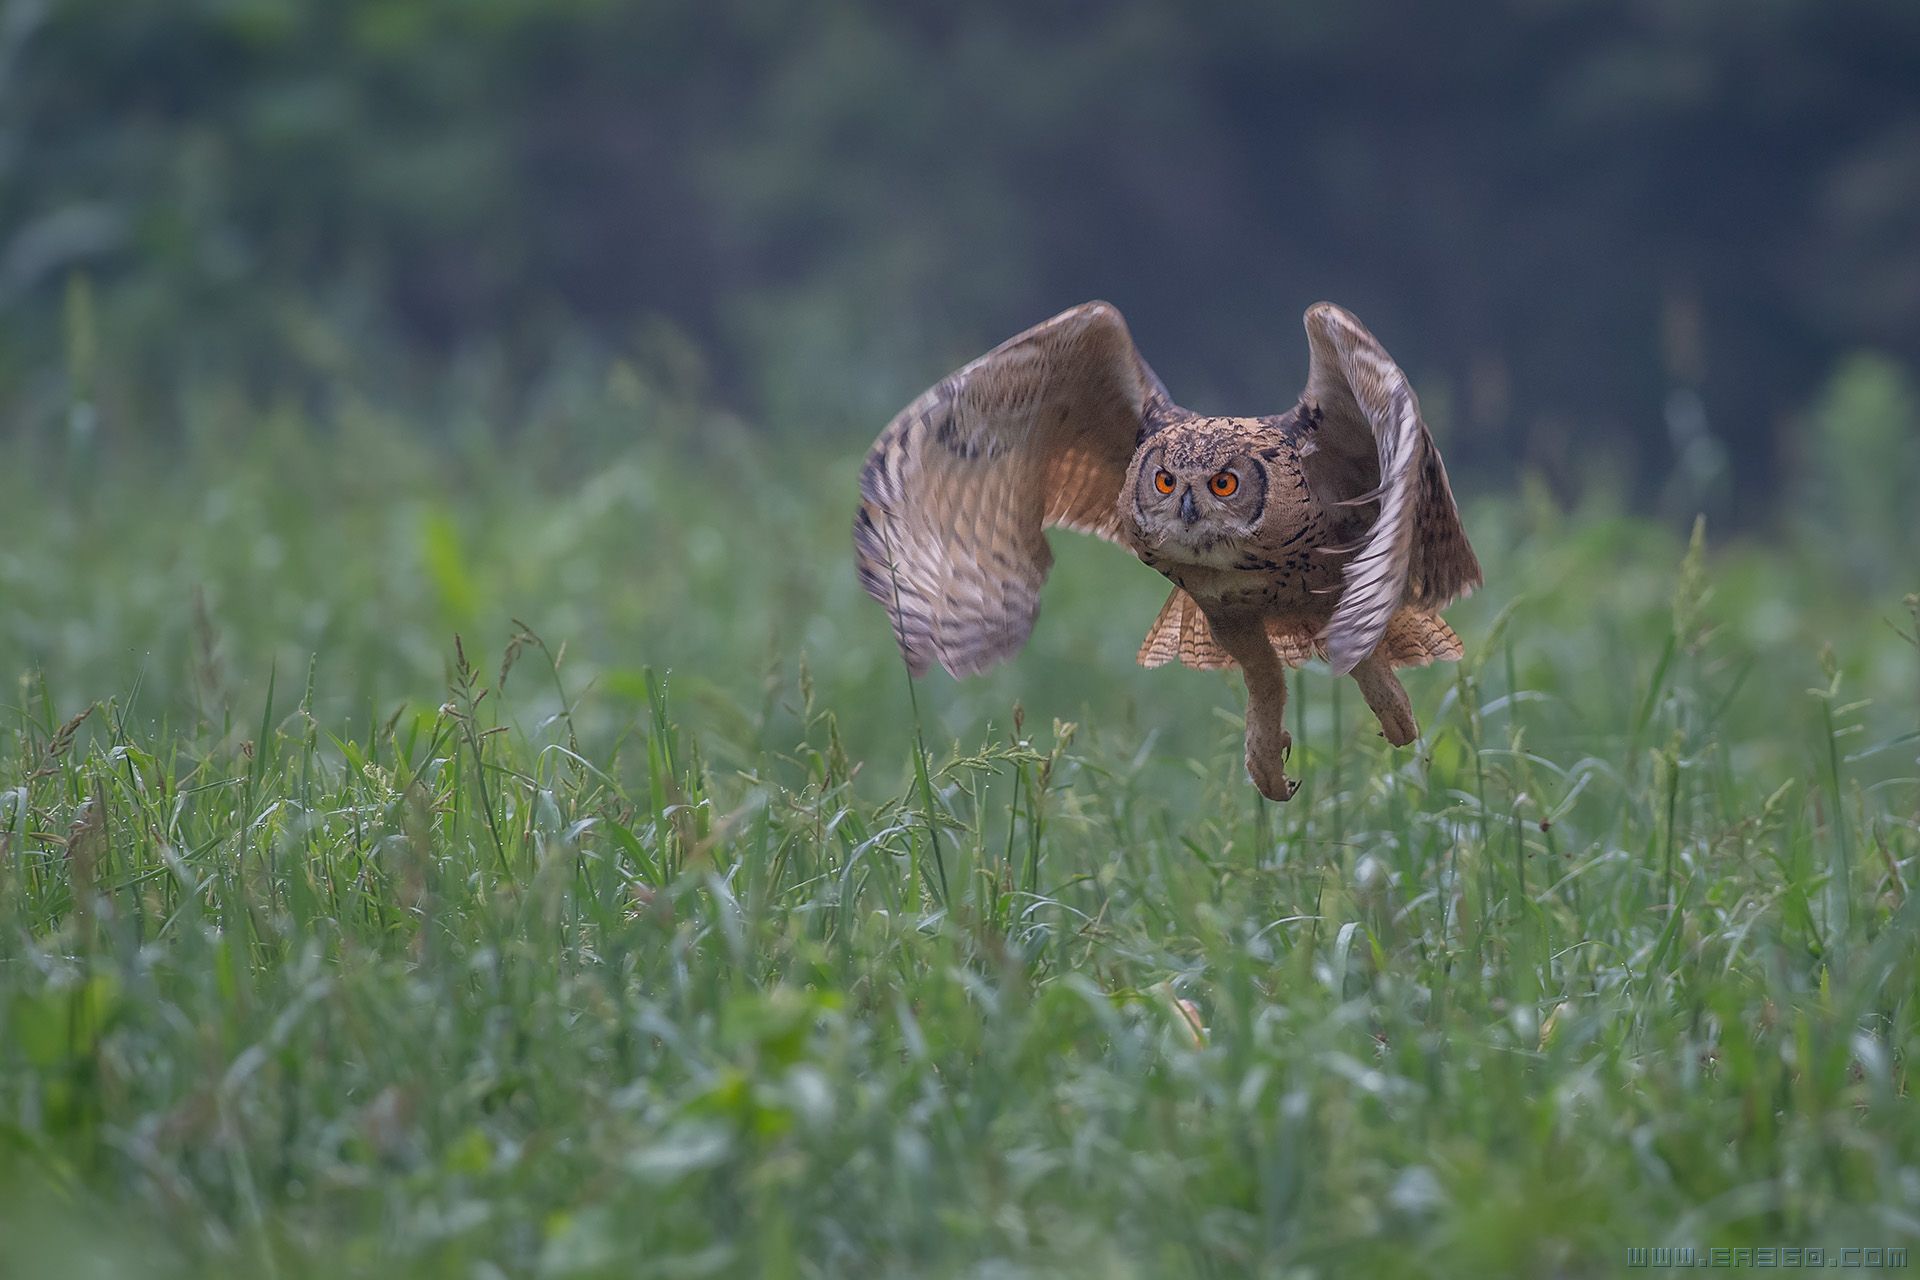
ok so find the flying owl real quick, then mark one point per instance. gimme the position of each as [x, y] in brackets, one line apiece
[1329, 530]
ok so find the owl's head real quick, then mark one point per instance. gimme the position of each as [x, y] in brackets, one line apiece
[1196, 488]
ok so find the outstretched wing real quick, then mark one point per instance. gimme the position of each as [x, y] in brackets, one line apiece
[957, 490]
[1371, 447]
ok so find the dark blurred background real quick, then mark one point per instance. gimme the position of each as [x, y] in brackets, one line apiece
[1633, 241]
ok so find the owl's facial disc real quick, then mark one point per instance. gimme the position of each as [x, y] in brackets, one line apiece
[1194, 507]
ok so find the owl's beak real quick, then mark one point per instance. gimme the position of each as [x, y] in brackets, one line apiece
[1188, 511]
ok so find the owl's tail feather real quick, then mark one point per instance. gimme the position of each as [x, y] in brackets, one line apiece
[1414, 638]
[1181, 631]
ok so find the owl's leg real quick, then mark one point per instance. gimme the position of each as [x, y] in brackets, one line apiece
[1268, 742]
[1388, 699]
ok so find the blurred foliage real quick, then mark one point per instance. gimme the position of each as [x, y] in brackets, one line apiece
[1856, 482]
[433, 849]
[615, 939]
[1641, 231]
[188, 575]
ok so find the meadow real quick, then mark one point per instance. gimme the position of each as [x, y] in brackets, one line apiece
[518, 851]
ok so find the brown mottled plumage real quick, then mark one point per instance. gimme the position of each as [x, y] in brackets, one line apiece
[1328, 531]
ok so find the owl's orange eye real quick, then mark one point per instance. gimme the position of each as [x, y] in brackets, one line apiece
[1223, 484]
[1163, 481]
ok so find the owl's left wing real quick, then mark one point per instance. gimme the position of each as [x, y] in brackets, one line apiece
[1371, 446]
[958, 489]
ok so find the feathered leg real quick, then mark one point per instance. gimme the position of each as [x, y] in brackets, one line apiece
[1268, 742]
[1387, 697]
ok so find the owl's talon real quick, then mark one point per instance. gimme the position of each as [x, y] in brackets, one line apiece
[1401, 731]
[1266, 765]
[1387, 698]
[1274, 786]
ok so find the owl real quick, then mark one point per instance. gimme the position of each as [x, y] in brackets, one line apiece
[1327, 531]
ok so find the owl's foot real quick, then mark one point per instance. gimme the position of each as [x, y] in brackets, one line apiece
[1388, 700]
[1268, 743]
[1397, 725]
[1267, 764]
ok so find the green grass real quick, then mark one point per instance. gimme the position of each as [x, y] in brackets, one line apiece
[625, 940]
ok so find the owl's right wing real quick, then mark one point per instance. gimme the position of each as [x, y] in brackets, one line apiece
[957, 491]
